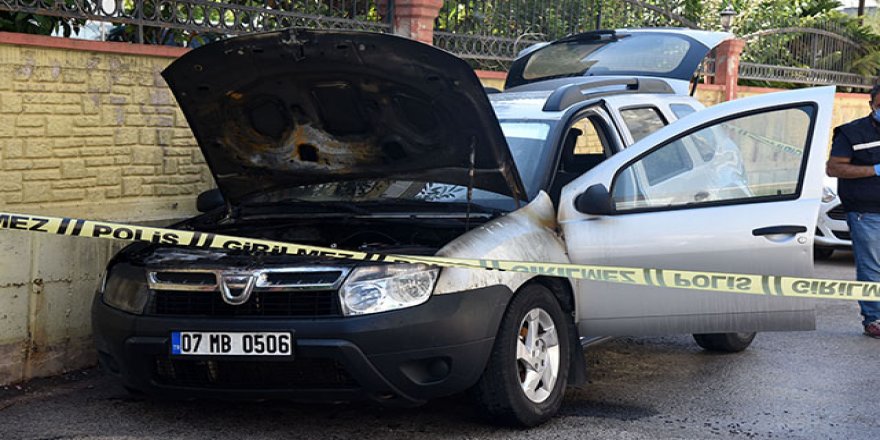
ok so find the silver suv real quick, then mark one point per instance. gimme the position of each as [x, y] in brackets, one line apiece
[832, 231]
[594, 154]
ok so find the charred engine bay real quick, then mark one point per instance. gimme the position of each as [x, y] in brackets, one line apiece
[422, 236]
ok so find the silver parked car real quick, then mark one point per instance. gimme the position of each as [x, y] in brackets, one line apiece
[832, 231]
[594, 154]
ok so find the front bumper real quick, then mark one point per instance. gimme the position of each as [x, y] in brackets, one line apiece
[406, 356]
[832, 230]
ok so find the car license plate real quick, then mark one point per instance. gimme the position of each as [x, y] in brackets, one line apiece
[232, 344]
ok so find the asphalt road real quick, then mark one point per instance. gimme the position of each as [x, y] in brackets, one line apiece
[797, 385]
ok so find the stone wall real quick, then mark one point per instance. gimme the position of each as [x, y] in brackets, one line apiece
[89, 133]
[86, 130]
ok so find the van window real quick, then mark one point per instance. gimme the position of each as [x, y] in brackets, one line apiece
[642, 121]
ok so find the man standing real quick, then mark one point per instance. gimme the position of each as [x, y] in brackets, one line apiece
[855, 162]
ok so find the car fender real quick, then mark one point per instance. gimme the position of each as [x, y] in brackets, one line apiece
[527, 234]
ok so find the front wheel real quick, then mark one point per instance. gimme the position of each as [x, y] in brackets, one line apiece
[724, 342]
[525, 378]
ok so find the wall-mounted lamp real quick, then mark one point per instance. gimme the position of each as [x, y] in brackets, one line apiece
[727, 15]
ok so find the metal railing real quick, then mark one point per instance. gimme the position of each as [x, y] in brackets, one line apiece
[149, 21]
[797, 75]
[806, 50]
[490, 33]
[805, 47]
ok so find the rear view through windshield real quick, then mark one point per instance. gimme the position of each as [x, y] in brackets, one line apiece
[658, 54]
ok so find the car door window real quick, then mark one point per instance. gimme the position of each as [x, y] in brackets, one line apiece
[749, 158]
[590, 141]
[667, 163]
[681, 110]
[585, 145]
[642, 121]
[704, 143]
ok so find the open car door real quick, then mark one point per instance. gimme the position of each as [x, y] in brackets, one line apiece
[732, 188]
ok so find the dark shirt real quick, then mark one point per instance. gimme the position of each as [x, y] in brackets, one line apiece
[860, 141]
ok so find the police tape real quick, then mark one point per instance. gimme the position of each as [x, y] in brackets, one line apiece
[767, 285]
[781, 146]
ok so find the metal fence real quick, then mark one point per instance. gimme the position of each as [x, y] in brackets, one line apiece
[165, 21]
[490, 33]
[798, 75]
[821, 52]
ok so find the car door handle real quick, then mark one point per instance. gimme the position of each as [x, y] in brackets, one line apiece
[700, 196]
[783, 229]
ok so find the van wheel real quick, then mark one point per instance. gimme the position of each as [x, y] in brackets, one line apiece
[724, 342]
[525, 378]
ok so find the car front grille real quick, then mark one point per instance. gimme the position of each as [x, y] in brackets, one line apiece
[277, 304]
[843, 235]
[252, 375]
[837, 213]
[299, 292]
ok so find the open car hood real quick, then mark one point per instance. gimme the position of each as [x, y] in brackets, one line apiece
[666, 53]
[300, 107]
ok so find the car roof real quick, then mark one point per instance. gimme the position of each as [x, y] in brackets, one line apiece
[707, 38]
[552, 98]
[522, 105]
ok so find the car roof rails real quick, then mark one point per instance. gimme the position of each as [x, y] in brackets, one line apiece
[570, 94]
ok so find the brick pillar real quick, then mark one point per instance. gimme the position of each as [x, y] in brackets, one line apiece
[415, 19]
[727, 56]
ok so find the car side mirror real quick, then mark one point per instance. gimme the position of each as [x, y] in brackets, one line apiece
[209, 200]
[595, 201]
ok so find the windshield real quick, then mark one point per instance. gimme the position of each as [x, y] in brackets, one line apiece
[662, 53]
[657, 54]
[528, 144]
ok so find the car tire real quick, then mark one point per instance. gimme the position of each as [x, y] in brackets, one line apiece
[821, 253]
[513, 389]
[724, 342]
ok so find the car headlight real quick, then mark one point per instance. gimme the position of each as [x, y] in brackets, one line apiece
[374, 289]
[828, 194]
[125, 288]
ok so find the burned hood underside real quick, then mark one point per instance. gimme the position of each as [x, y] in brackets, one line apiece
[300, 107]
[395, 235]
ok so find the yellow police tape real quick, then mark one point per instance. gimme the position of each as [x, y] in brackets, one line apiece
[781, 146]
[770, 285]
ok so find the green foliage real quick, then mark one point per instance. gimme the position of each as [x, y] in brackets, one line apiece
[517, 19]
[25, 23]
[803, 49]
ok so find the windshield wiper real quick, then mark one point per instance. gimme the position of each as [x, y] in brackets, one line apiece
[293, 206]
[424, 205]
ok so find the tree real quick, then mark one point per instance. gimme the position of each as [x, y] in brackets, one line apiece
[28, 23]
